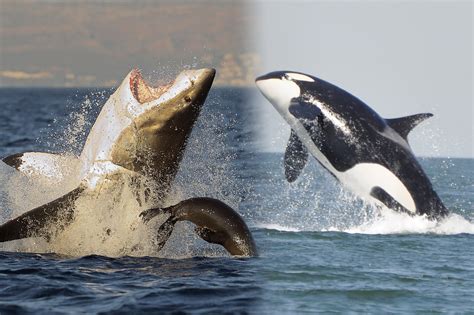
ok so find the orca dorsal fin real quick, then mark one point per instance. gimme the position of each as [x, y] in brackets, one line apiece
[296, 156]
[404, 125]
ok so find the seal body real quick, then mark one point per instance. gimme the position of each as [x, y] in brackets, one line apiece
[215, 222]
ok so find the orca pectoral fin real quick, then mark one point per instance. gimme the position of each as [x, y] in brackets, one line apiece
[210, 236]
[35, 223]
[40, 163]
[404, 125]
[296, 157]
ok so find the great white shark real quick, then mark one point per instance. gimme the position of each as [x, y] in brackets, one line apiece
[141, 133]
[368, 154]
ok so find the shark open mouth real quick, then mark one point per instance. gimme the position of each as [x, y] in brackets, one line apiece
[143, 92]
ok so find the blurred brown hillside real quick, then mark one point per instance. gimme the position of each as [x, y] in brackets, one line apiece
[78, 43]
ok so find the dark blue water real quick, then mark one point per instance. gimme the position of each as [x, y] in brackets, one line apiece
[321, 250]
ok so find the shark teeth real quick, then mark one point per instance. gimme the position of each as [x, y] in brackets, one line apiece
[143, 92]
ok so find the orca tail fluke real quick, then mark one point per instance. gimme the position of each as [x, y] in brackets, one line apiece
[35, 223]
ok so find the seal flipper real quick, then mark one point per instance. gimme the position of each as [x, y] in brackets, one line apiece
[149, 214]
[404, 125]
[34, 223]
[164, 232]
[296, 156]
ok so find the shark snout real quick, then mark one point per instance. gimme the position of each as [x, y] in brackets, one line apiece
[198, 83]
[199, 77]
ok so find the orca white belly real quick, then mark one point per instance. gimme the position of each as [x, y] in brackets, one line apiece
[362, 177]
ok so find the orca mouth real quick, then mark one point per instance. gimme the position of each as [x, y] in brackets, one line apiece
[144, 92]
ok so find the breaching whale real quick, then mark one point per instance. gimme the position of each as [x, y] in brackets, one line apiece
[366, 153]
[141, 132]
[215, 223]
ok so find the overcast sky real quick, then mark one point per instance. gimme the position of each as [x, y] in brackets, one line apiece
[401, 58]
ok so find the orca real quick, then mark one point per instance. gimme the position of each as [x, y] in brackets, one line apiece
[368, 154]
[215, 222]
[141, 132]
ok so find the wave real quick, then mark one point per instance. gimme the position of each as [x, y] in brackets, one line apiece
[388, 222]
[391, 222]
[277, 227]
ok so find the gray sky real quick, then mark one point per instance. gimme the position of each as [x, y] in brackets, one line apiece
[401, 58]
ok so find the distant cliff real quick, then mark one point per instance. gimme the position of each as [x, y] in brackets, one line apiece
[79, 43]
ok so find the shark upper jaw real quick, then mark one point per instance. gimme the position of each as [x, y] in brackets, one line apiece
[142, 96]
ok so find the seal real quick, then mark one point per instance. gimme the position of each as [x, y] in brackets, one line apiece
[368, 154]
[215, 222]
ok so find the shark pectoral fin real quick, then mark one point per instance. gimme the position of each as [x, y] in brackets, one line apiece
[296, 156]
[41, 163]
[36, 222]
[210, 236]
[404, 125]
[385, 198]
[14, 160]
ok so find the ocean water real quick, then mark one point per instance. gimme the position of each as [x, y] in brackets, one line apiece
[321, 249]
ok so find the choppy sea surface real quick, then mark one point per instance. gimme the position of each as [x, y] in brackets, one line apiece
[321, 249]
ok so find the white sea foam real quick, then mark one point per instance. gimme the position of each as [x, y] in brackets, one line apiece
[387, 221]
[277, 227]
[391, 222]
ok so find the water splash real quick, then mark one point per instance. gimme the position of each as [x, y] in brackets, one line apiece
[375, 220]
[391, 222]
